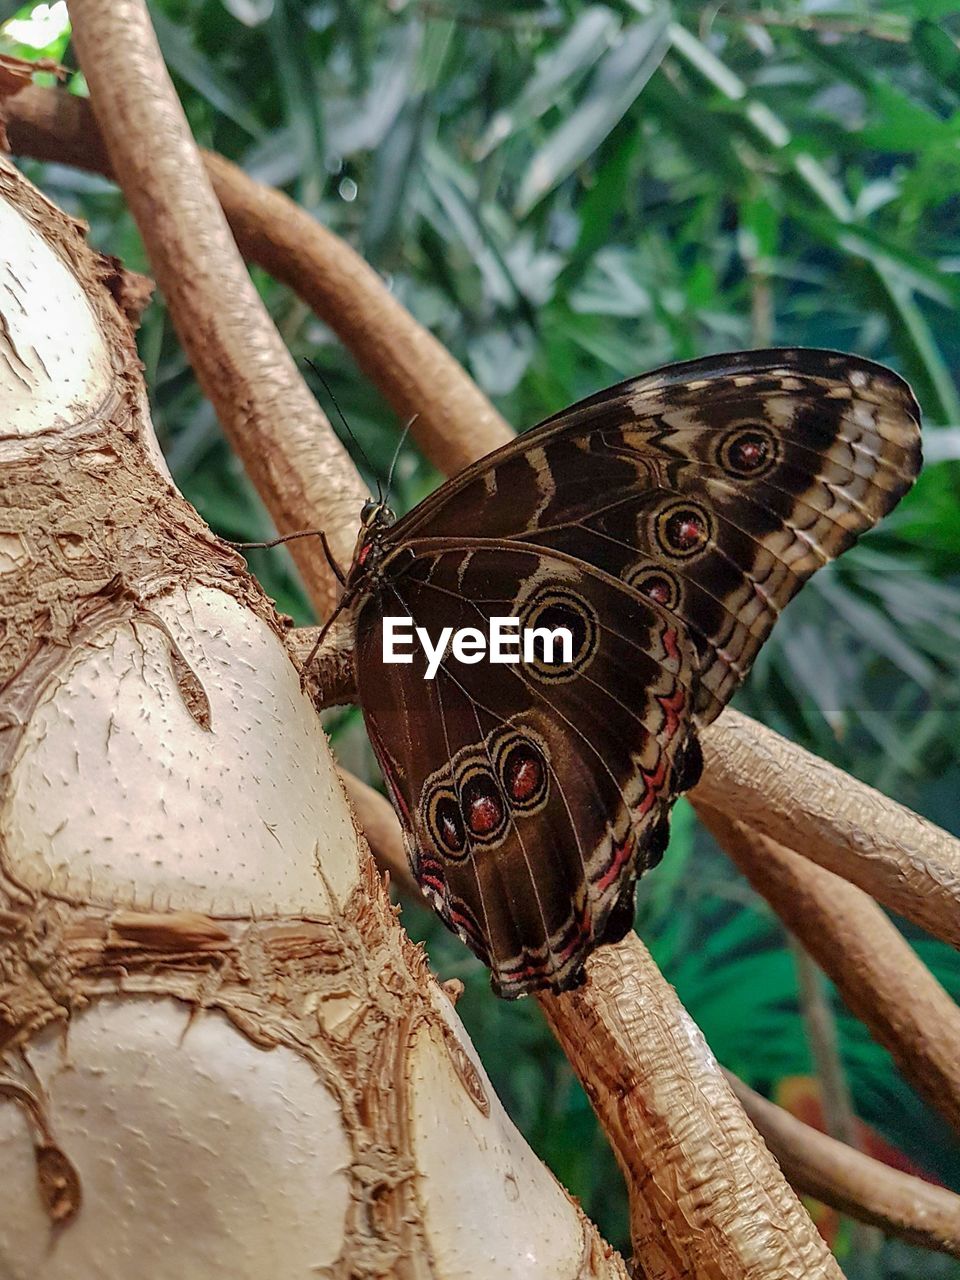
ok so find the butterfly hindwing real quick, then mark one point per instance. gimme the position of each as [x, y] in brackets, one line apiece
[531, 792]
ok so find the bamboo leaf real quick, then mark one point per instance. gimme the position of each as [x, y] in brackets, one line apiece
[556, 73]
[617, 82]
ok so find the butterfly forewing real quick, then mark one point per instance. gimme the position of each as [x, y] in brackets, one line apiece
[672, 517]
[717, 487]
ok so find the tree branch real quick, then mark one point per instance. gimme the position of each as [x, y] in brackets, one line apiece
[880, 977]
[626, 1027]
[801, 801]
[455, 423]
[706, 1198]
[382, 830]
[272, 420]
[856, 1184]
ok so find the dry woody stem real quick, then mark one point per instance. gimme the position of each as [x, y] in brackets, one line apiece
[801, 801]
[274, 423]
[879, 975]
[706, 1197]
[856, 1184]
[455, 422]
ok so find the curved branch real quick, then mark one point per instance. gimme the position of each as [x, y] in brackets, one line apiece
[642, 1034]
[54, 125]
[801, 801]
[274, 423]
[456, 423]
[880, 977]
[856, 1184]
[706, 1197]
[382, 830]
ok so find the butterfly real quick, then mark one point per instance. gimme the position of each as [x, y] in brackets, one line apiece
[663, 524]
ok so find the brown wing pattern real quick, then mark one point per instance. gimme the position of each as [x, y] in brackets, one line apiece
[531, 793]
[714, 487]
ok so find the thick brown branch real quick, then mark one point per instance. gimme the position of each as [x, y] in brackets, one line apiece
[273, 422]
[854, 1183]
[881, 978]
[791, 795]
[455, 424]
[57, 126]
[706, 1197]
[382, 830]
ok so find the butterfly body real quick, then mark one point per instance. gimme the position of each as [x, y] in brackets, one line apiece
[664, 524]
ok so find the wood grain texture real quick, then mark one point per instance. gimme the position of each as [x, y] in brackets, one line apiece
[856, 1184]
[285, 442]
[791, 795]
[707, 1198]
[881, 978]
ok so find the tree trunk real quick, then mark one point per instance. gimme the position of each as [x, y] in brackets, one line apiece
[220, 1052]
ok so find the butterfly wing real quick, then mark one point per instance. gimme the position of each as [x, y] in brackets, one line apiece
[672, 518]
[715, 487]
[530, 792]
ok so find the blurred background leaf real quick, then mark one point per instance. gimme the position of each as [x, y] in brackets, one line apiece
[567, 195]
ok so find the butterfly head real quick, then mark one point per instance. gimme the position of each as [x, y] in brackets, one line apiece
[375, 514]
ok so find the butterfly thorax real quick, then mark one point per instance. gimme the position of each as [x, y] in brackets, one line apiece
[375, 519]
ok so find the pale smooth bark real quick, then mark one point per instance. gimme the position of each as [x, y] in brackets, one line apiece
[600, 997]
[219, 1054]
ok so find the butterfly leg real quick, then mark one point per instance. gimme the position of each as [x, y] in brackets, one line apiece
[291, 537]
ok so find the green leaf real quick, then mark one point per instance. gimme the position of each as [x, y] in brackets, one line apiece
[182, 56]
[615, 86]
[557, 72]
[938, 53]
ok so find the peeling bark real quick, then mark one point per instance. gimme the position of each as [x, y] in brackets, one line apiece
[747, 1211]
[706, 1197]
[218, 1050]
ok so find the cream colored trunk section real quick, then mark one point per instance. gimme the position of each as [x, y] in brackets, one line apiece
[219, 1055]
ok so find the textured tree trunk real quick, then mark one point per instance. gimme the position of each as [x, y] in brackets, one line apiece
[220, 1054]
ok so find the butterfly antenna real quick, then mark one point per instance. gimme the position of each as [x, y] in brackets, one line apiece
[396, 454]
[346, 425]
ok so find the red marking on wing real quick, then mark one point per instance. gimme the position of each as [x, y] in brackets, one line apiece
[672, 707]
[670, 643]
[579, 929]
[433, 882]
[653, 783]
[621, 856]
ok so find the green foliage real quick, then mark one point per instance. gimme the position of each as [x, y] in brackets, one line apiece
[566, 195]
